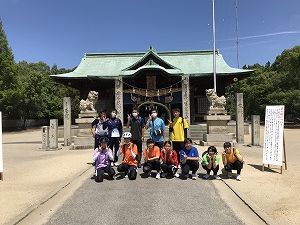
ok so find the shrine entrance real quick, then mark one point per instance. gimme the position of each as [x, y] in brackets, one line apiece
[151, 105]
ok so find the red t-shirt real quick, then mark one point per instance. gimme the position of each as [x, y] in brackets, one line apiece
[168, 160]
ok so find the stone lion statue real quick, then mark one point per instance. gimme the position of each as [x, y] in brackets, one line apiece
[90, 102]
[215, 101]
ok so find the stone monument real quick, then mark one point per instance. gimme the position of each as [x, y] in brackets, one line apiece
[67, 121]
[84, 138]
[217, 120]
[53, 135]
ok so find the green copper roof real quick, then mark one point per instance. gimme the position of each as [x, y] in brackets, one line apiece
[177, 63]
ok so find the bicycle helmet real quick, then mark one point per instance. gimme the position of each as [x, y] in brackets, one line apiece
[127, 135]
[103, 139]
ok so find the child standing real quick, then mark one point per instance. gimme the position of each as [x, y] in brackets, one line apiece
[115, 130]
[102, 156]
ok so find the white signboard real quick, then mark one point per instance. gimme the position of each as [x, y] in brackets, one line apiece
[1, 152]
[273, 136]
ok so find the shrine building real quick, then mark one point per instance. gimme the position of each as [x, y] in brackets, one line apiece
[162, 80]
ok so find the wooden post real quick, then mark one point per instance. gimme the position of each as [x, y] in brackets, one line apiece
[284, 153]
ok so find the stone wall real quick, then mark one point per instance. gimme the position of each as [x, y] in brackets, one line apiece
[19, 124]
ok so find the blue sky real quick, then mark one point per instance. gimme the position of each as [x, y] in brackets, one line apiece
[61, 31]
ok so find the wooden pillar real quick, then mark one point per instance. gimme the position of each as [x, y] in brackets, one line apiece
[119, 98]
[186, 107]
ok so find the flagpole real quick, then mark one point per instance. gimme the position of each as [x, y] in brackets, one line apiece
[214, 44]
[237, 33]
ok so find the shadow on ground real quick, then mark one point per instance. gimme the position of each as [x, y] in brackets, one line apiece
[259, 167]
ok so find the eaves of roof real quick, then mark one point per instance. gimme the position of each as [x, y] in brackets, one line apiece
[112, 65]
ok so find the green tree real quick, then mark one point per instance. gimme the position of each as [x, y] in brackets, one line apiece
[40, 99]
[9, 83]
[278, 84]
[66, 91]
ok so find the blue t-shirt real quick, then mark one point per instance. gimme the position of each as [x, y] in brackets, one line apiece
[158, 125]
[193, 152]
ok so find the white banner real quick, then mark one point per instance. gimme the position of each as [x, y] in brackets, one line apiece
[1, 149]
[273, 136]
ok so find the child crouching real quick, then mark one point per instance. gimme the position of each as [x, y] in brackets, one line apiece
[102, 156]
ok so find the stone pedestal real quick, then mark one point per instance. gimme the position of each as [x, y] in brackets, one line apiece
[84, 138]
[217, 111]
[217, 132]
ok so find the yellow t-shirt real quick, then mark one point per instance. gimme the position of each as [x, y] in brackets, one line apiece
[230, 157]
[178, 129]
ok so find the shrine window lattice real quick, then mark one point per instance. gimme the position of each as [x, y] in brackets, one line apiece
[202, 105]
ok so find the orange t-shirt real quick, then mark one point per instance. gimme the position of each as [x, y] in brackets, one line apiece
[128, 159]
[155, 152]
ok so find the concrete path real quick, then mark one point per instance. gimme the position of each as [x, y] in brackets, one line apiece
[40, 185]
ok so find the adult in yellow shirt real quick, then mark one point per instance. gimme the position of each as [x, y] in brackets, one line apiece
[232, 160]
[178, 127]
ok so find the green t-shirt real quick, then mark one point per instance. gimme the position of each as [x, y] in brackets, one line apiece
[205, 159]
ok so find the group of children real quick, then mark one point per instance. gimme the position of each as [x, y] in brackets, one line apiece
[165, 161]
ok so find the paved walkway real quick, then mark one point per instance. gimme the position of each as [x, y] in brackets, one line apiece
[32, 176]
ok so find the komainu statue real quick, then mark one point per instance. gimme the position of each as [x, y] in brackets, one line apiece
[215, 101]
[90, 102]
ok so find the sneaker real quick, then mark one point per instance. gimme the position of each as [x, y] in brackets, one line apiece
[116, 164]
[217, 177]
[238, 177]
[176, 175]
[163, 175]
[206, 176]
[157, 175]
[229, 174]
[149, 173]
[126, 175]
[194, 177]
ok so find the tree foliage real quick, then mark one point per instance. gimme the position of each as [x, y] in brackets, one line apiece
[9, 82]
[27, 91]
[276, 84]
[43, 97]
